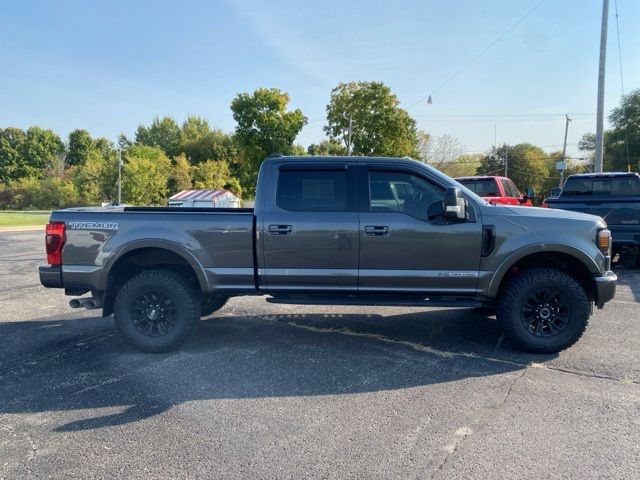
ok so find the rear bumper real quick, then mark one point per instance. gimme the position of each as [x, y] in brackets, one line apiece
[51, 277]
[605, 288]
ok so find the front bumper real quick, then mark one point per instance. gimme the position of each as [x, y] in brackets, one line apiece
[51, 277]
[605, 288]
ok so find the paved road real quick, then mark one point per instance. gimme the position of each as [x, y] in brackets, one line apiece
[266, 391]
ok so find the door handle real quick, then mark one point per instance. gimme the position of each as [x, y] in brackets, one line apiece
[280, 230]
[376, 231]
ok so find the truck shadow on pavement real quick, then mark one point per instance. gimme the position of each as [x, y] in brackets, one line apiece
[238, 356]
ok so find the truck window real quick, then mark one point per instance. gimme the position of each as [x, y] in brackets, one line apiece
[620, 186]
[403, 192]
[312, 190]
[483, 187]
[510, 188]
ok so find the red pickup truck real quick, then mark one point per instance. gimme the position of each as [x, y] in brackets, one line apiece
[496, 190]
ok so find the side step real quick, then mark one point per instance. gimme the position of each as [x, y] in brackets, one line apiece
[377, 300]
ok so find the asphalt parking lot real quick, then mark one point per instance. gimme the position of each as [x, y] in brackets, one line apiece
[279, 391]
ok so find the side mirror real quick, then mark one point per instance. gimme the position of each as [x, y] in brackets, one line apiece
[455, 206]
[555, 192]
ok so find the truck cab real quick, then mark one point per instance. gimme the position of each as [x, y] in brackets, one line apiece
[497, 190]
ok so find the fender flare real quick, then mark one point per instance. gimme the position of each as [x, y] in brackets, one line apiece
[507, 263]
[161, 244]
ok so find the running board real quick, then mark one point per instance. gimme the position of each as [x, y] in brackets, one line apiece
[378, 300]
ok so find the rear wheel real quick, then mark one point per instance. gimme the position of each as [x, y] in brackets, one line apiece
[156, 310]
[543, 310]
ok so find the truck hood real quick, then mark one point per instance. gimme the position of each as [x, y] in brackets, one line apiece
[550, 213]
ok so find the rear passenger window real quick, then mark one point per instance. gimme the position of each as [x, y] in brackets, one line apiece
[312, 190]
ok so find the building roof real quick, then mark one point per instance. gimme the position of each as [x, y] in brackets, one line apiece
[198, 194]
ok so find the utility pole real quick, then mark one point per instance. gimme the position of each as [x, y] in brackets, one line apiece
[564, 150]
[349, 146]
[506, 160]
[119, 177]
[601, 72]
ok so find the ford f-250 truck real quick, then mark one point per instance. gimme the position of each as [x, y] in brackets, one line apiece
[614, 196]
[326, 230]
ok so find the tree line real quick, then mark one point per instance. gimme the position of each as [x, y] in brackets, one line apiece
[38, 169]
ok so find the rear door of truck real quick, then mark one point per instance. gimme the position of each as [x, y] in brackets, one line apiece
[308, 228]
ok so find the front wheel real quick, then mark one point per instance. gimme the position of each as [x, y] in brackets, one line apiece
[156, 310]
[543, 310]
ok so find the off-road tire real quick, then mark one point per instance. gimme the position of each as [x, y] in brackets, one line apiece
[172, 288]
[212, 304]
[516, 297]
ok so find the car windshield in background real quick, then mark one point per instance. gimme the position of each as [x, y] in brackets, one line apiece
[619, 186]
[483, 187]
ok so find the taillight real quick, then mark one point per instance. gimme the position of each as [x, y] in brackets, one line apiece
[545, 205]
[54, 241]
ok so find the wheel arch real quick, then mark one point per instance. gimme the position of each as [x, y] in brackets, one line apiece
[152, 256]
[568, 259]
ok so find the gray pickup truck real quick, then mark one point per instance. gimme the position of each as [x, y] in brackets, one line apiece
[339, 231]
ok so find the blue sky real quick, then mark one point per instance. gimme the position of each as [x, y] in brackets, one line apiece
[108, 66]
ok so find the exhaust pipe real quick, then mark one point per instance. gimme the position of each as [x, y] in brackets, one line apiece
[90, 303]
[77, 302]
[93, 303]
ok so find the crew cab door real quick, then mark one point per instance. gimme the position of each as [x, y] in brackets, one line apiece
[404, 251]
[309, 229]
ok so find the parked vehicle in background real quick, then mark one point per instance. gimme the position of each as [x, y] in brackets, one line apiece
[219, 198]
[613, 196]
[499, 190]
[338, 231]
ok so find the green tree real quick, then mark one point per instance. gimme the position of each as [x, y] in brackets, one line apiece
[41, 150]
[55, 192]
[367, 115]
[194, 127]
[527, 164]
[462, 166]
[11, 147]
[145, 175]
[622, 142]
[79, 145]
[264, 126]
[180, 177]
[327, 148]
[89, 177]
[212, 145]
[163, 133]
[211, 174]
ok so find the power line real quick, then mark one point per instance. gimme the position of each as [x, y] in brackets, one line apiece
[464, 67]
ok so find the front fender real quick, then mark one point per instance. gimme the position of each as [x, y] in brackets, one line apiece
[571, 250]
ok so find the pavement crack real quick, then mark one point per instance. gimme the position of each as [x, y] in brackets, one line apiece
[382, 338]
[579, 373]
[284, 320]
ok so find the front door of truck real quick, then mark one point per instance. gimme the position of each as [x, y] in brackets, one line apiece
[401, 249]
[310, 233]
